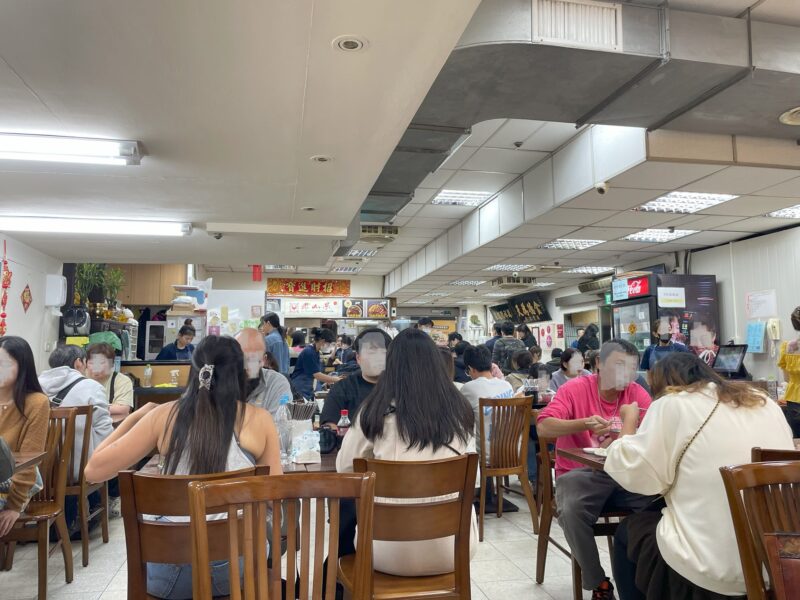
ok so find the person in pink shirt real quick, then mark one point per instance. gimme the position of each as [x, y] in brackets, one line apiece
[585, 412]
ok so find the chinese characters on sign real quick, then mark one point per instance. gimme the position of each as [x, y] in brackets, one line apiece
[308, 287]
[527, 308]
[313, 308]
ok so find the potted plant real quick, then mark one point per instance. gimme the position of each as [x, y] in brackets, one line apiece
[88, 276]
[113, 282]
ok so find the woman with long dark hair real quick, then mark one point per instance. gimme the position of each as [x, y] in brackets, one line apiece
[308, 369]
[24, 416]
[686, 546]
[413, 413]
[525, 335]
[589, 340]
[210, 429]
[275, 339]
[182, 347]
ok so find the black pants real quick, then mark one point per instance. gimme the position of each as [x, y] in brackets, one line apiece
[792, 413]
[623, 567]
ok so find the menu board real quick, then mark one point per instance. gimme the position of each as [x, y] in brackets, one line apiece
[353, 309]
[378, 309]
[528, 308]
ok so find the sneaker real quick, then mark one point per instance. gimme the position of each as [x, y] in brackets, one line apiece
[114, 508]
[604, 591]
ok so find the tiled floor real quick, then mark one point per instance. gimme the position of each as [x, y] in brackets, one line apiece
[503, 569]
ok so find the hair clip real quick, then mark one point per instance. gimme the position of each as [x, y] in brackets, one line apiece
[206, 373]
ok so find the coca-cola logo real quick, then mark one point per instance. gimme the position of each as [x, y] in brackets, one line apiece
[638, 286]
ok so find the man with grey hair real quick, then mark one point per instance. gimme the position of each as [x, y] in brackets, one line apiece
[65, 385]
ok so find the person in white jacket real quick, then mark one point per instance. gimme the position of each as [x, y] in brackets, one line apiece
[65, 385]
[685, 547]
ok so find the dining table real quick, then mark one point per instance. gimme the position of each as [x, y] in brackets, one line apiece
[26, 460]
[593, 461]
[327, 465]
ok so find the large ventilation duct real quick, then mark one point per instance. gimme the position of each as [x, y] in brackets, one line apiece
[584, 62]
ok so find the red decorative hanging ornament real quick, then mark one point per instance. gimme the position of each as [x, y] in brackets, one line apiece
[5, 282]
[257, 271]
[26, 297]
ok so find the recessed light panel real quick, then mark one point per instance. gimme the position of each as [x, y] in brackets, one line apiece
[437, 294]
[461, 198]
[684, 202]
[658, 236]
[279, 267]
[50, 148]
[495, 295]
[345, 269]
[417, 302]
[590, 270]
[502, 267]
[94, 226]
[541, 284]
[362, 253]
[792, 212]
[568, 244]
[468, 282]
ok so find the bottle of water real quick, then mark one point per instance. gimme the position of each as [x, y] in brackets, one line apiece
[148, 376]
[283, 422]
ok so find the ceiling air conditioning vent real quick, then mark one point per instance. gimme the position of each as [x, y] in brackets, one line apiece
[578, 23]
[513, 283]
[378, 234]
[598, 285]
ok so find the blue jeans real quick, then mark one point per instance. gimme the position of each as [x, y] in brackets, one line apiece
[174, 582]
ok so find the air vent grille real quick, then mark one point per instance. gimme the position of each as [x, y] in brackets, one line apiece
[578, 23]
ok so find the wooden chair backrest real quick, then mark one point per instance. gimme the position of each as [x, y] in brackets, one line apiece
[147, 540]
[509, 423]
[57, 462]
[763, 498]
[545, 473]
[767, 455]
[783, 554]
[255, 498]
[436, 502]
[81, 413]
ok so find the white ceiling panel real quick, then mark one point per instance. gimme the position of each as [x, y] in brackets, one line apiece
[514, 130]
[701, 222]
[750, 206]
[479, 181]
[616, 198]
[713, 238]
[790, 189]
[409, 210]
[485, 252]
[423, 195]
[400, 221]
[542, 231]
[457, 159]
[503, 160]
[785, 12]
[543, 254]
[482, 131]
[640, 219]
[740, 180]
[441, 211]
[653, 175]
[601, 233]
[623, 246]
[756, 224]
[593, 254]
[437, 179]
[424, 222]
[573, 216]
[515, 242]
[550, 136]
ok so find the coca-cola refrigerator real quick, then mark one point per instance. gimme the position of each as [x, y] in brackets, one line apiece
[686, 306]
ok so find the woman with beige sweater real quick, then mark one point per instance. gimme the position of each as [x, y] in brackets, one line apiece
[414, 413]
[24, 416]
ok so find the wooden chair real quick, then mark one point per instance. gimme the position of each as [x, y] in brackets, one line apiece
[783, 554]
[507, 452]
[47, 507]
[605, 528]
[254, 498]
[763, 498]
[81, 489]
[765, 455]
[451, 482]
[159, 541]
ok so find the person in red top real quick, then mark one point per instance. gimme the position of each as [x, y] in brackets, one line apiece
[585, 413]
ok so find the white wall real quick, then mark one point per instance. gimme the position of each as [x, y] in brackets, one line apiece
[37, 326]
[360, 286]
[761, 263]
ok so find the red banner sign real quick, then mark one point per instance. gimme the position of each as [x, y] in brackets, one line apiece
[308, 288]
[638, 286]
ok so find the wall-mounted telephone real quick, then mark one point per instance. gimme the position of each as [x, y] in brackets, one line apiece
[774, 330]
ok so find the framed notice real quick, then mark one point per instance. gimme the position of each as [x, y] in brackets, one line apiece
[761, 305]
[672, 297]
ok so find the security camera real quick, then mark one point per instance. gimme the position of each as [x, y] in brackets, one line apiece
[518, 144]
[475, 290]
[515, 275]
[601, 188]
[217, 236]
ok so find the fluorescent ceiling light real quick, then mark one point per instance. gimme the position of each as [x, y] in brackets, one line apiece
[345, 269]
[279, 267]
[502, 267]
[461, 198]
[791, 212]
[437, 294]
[568, 244]
[495, 295]
[659, 236]
[417, 302]
[48, 148]
[468, 282]
[684, 202]
[362, 253]
[94, 226]
[589, 270]
[541, 284]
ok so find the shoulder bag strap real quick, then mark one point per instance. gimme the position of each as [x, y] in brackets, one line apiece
[686, 447]
[59, 397]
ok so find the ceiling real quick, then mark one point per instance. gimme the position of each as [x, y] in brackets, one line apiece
[230, 100]
[786, 12]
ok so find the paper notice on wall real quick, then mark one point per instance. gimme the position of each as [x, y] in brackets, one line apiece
[755, 336]
[672, 297]
[761, 305]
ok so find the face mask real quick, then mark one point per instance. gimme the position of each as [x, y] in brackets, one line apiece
[665, 337]
[426, 330]
[252, 364]
[373, 363]
[99, 366]
[327, 349]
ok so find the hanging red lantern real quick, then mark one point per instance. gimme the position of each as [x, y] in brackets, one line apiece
[257, 271]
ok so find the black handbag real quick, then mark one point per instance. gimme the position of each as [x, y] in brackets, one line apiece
[328, 440]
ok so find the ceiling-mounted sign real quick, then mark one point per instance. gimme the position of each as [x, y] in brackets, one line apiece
[311, 308]
[528, 308]
[310, 288]
[632, 287]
